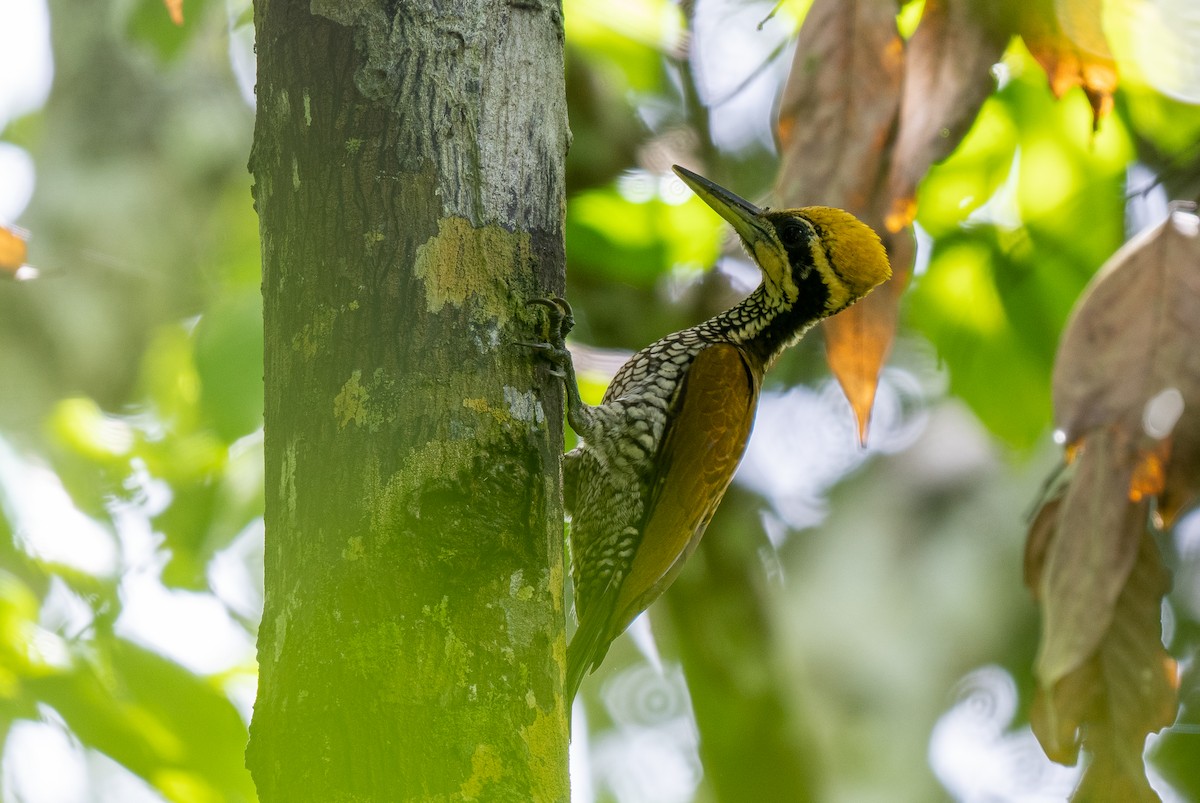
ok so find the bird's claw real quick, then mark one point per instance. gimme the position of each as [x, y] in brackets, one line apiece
[560, 321]
[561, 317]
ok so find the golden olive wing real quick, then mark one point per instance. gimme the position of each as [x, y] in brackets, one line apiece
[702, 446]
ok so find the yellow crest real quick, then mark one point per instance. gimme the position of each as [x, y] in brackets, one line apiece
[853, 260]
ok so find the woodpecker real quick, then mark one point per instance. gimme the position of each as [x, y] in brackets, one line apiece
[657, 454]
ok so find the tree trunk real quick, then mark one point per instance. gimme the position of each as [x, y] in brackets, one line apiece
[408, 167]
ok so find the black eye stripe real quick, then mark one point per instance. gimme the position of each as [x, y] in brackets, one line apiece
[796, 235]
[820, 233]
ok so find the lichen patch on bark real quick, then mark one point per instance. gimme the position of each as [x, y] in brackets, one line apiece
[351, 402]
[462, 262]
[487, 767]
[314, 336]
[547, 750]
[524, 405]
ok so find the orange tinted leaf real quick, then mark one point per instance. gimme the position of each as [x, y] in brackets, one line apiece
[175, 10]
[13, 250]
[857, 342]
[1149, 471]
[947, 76]
[1066, 38]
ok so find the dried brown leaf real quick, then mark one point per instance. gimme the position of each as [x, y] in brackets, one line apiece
[836, 120]
[858, 340]
[1125, 690]
[1129, 352]
[947, 77]
[1088, 561]
[840, 105]
[1066, 38]
[862, 119]
[1127, 396]
[1138, 323]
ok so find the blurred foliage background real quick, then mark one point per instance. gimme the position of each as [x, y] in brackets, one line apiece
[885, 637]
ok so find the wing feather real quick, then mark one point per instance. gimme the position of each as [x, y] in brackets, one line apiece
[706, 436]
[708, 426]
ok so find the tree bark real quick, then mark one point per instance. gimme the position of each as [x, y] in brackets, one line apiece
[408, 168]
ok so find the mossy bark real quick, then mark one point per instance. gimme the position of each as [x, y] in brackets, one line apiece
[408, 168]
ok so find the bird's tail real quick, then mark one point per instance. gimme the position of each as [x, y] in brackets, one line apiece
[585, 652]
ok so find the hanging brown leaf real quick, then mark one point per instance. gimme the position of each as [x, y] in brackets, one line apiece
[862, 119]
[1067, 39]
[1127, 399]
[1128, 355]
[1126, 689]
[1088, 560]
[1105, 680]
[836, 122]
[840, 105]
[857, 341]
[947, 77]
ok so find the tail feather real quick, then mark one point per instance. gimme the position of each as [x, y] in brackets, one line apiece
[585, 652]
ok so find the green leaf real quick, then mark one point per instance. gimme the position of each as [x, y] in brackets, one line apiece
[150, 22]
[229, 361]
[619, 239]
[164, 723]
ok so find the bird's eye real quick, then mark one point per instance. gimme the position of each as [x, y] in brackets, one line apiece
[792, 233]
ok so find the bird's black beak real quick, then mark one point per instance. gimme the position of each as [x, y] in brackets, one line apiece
[746, 218]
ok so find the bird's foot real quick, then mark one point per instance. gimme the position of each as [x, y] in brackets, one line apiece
[560, 321]
[560, 315]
